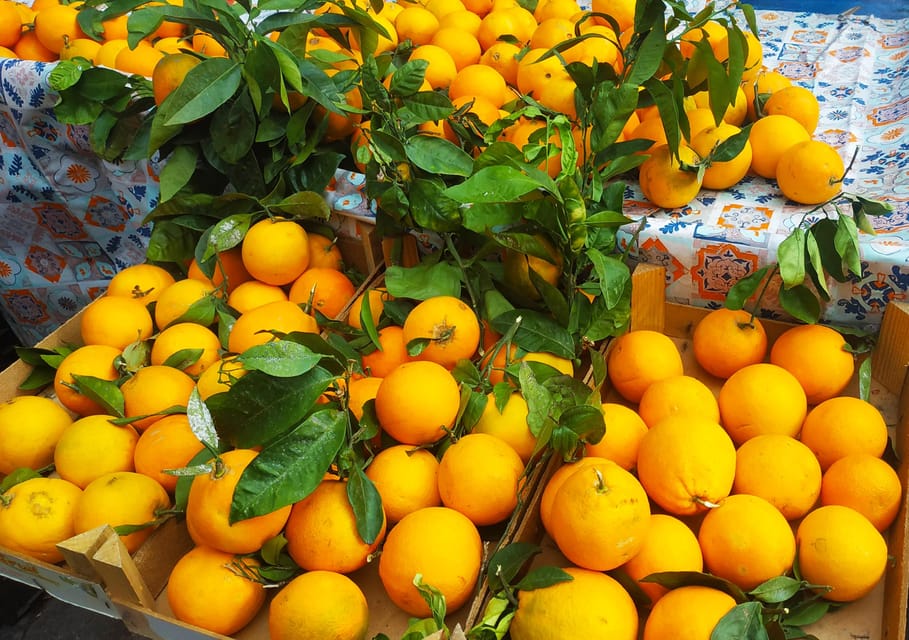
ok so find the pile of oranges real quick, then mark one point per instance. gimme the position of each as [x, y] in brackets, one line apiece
[750, 463]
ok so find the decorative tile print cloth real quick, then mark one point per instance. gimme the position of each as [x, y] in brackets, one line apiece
[68, 220]
[858, 67]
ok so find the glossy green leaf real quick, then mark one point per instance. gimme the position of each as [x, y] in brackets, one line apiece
[846, 242]
[437, 155]
[674, 579]
[200, 420]
[816, 265]
[806, 613]
[431, 208]
[183, 358]
[542, 577]
[238, 116]
[742, 622]
[304, 205]
[290, 467]
[16, 476]
[366, 503]
[105, 393]
[536, 332]
[206, 87]
[493, 184]
[801, 303]
[423, 281]
[776, 590]
[178, 170]
[864, 378]
[279, 358]
[746, 287]
[791, 256]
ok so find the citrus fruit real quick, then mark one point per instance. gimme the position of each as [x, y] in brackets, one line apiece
[781, 470]
[687, 613]
[207, 589]
[29, 429]
[56, 25]
[36, 514]
[518, 266]
[391, 353]
[770, 137]
[840, 548]
[97, 361]
[508, 424]
[760, 87]
[169, 73]
[761, 398]
[480, 475]
[319, 605]
[176, 300]
[275, 251]
[440, 544]
[678, 396]
[724, 173]
[667, 181]
[219, 376]
[327, 290]
[865, 483]
[561, 474]
[252, 293]
[624, 430]
[322, 532]
[670, 545]
[590, 605]
[187, 346]
[228, 271]
[406, 478]
[810, 172]
[441, 68]
[255, 327]
[818, 357]
[115, 321]
[418, 402]
[637, 359]
[121, 498]
[152, 390]
[169, 443]
[796, 102]
[142, 281]
[686, 464]
[726, 340]
[600, 516]
[842, 426]
[449, 326]
[93, 446]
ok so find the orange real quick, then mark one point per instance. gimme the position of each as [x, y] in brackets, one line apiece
[391, 353]
[359, 392]
[255, 326]
[781, 470]
[80, 48]
[865, 483]
[140, 60]
[533, 73]
[726, 340]
[115, 321]
[555, 482]
[761, 398]
[29, 429]
[480, 475]
[479, 7]
[796, 102]
[327, 291]
[441, 68]
[637, 359]
[322, 532]
[714, 33]
[678, 396]
[115, 28]
[169, 443]
[93, 446]
[406, 478]
[667, 181]
[760, 87]
[413, 547]
[376, 297]
[176, 300]
[818, 357]
[182, 341]
[151, 390]
[98, 361]
[203, 43]
[501, 56]
[208, 508]
[546, 9]
[441, 8]
[770, 137]
[735, 113]
[551, 32]
[207, 589]
[342, 125]
[121, 498]
[518, 266]
[319, 605]
[648, 129]
[476, 80]
[603, 49]
[559, 96]
[10, 24]
[417, 24]
[747, 541]
[219, 376]
[810, 172]
[670, 545]
[229, 271]
[620, 10]
[754, 58]
[324, 251]
[624, 430]
[107, 54]
[30, 48]
[840, 548]
[600, 516]
[485, 111]
[275, 251]
[686, 464]
[252, 293]
[36, 514]
[687, 613]
[142, 281]
[699, 118]
[449, 326]
[463, 20]
[56, 25]
[508, 424]
[513, 21]
[590, 605]
[6, 52]
[463, 46]
[842, 426]
[723, 174]
[384, 44]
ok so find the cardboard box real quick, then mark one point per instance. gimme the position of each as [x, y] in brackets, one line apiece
[881, 615]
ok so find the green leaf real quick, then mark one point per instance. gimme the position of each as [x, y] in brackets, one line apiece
[366, 503]
[742, 622]
[105, 393]
[675, 579]
[613, 274]
[237, 116]
[423, 281]
[806, 613]
[431, 208]
[178, 170]
[650, 54]
[304, 205]
[437, 155]
[816, 265]
[745, 288]
[279, 358]
[183, 358]
[506, 563]
[289, 468]
[542, 577]
[200, 420]
[493, 184]
[801, 303]
[18, 475]
[206, 87]
[846, 242]
[791, 256]
[227, 234]
[536, 332]
[776, 590]
[864, 378]
[259, 408]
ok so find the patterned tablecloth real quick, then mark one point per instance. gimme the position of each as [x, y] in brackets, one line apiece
[69, 221]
